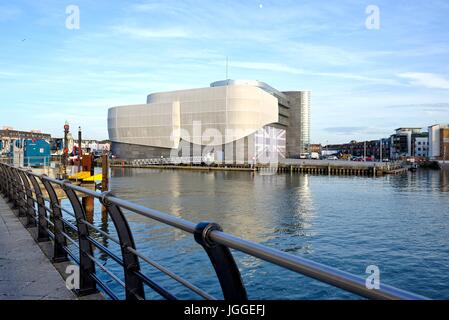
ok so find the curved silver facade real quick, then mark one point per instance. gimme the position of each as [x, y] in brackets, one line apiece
[227, 112]
[230, 112]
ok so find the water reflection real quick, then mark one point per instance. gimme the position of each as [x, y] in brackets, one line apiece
[421, 180]
[242, 203]
[400, 223]
[444, 180]
[223, 197]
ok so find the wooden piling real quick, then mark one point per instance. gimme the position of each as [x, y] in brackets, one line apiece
[105, 173]
[88, 205]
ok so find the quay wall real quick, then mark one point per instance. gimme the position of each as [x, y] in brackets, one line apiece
[286, 166]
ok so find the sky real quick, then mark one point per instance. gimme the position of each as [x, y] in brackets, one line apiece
[366, 79]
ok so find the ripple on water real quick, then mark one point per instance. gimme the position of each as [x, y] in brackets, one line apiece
[399, 223]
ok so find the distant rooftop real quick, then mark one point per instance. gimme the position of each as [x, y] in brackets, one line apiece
[440, 125]
[18, 134]
[254, 83]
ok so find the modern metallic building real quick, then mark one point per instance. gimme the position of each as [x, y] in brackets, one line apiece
[235, 121]
[403, 142]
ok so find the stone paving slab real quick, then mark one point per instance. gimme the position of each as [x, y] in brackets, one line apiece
[25, 271]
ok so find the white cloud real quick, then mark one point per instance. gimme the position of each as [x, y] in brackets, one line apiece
[423, 106]
[151, 33]
[428, 80]
[146, 7]
[326, 54]
[277, 67]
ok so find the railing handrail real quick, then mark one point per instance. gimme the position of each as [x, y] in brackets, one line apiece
[214, 235]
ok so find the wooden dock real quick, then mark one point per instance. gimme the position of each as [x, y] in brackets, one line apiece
[287, 166]
[186, 167]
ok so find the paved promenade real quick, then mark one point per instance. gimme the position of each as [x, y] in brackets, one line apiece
[25, 272]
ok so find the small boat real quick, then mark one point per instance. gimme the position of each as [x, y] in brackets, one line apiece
[413, 167]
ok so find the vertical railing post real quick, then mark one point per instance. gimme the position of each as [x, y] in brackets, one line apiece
[21, 196]
[134, 284]
[30, 214]
[42, 223]
[87, 266]
[6, 183]
[3, 179]
[7, 190]
[17, 191]
[11, 186]
[223, 262]
[60, 242]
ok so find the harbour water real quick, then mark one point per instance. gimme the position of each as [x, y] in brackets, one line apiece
[398, 223]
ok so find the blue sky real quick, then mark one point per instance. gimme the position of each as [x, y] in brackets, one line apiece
[364, 83]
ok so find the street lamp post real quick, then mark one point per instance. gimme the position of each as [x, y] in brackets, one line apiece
[65, 153]
[380, 152]
[79, 149]
[364, 151]
[327, 148]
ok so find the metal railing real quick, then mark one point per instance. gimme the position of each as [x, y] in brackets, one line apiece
[172, 161]
[25, 190]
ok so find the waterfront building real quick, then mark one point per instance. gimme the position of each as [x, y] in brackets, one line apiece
[386, 148]
[362, 148]
[420, 145]
[402, 142]
[235, 121]
[30, 148]
[9, 138]
[316, 148]
[406, 142]
[90, 146]
[439, 142]
[332, 149]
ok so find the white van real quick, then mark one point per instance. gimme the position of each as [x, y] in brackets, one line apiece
[315, 156]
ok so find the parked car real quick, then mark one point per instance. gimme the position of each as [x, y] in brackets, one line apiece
[332, 158]
[362, 159]
[314, 156]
